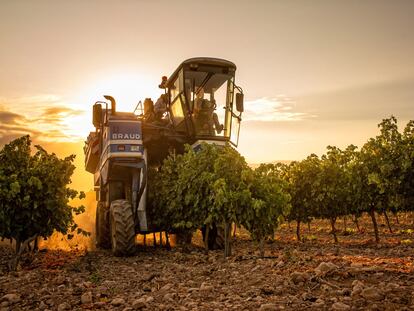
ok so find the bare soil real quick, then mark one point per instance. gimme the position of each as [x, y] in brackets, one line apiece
[355, 274]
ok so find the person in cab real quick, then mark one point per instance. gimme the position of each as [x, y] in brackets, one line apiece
[206, 120]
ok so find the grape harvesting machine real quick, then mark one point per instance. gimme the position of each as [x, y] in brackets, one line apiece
[125, 144]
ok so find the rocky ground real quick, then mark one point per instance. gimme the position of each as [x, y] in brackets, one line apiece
[356, 274]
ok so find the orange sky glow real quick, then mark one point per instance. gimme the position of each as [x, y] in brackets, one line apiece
[314, 73]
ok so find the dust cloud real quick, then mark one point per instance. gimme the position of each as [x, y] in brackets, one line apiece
[85, 221]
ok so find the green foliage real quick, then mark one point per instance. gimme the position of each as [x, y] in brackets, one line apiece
[376, 179]
[333, 185]
[198, 188]
[34, 195]
[303, 186]
[407, 167]
[269, 201]
[215, 186]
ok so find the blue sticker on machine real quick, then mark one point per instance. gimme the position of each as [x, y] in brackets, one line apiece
[125, 130]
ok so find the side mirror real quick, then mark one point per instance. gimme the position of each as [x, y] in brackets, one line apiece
[97, 115]
[239, 102]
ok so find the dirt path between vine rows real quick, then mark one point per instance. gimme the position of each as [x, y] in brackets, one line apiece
[356, 274]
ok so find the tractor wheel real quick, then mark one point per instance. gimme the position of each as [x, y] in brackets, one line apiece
[102, 234]
[122, 228]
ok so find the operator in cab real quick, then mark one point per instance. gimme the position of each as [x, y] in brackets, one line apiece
[206, 120]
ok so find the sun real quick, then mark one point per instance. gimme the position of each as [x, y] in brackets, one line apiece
[127, 89]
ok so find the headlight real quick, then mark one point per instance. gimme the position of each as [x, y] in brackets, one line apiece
[134, 148]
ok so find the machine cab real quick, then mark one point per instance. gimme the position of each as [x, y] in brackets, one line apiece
[204, 101]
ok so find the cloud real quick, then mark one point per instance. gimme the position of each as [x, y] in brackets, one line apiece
[43, 117]
[273, 109]
[18, 129]
[60, 111]
[11, 132]
[13, 125]
[55, 115]
[8, 117]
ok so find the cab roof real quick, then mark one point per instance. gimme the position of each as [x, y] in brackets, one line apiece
[202, 61]
[209, 61]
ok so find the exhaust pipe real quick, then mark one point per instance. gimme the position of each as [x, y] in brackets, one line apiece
[113, 103]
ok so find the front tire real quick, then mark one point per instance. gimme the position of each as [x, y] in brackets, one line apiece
[122, 228]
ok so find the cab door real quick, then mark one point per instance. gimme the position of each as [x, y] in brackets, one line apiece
[178, 104]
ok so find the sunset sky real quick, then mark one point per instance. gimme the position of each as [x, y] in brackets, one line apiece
[314, 73]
